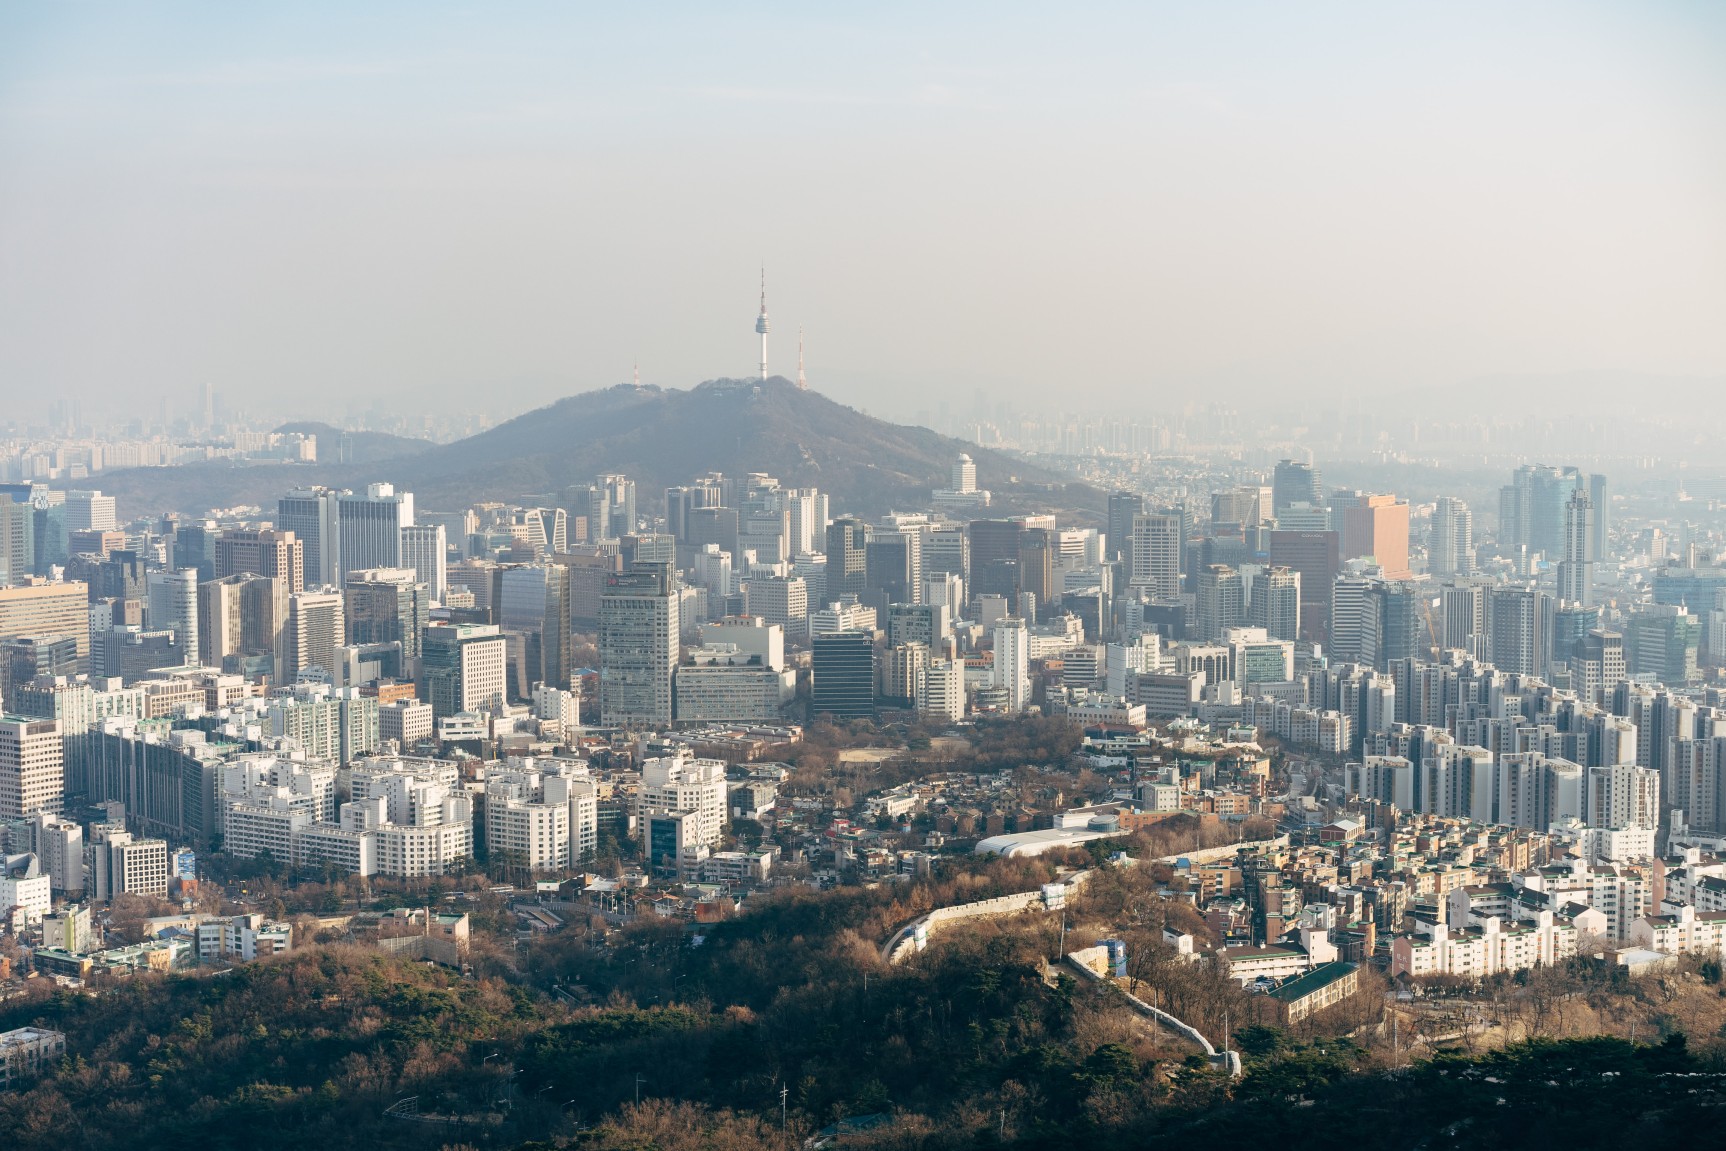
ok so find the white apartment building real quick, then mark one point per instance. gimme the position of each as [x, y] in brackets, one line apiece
[693, 787]
[544, 812]
[1686, 930]
[1485, 947]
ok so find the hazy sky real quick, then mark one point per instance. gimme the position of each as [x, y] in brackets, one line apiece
[503, 203]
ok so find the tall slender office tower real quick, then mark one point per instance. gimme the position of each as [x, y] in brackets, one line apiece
[1220, 601]
[1517, 623]
[1450, 550]
[314, 516]
[638, 634]
[1276, 603]
[1294, 482]
[1576, 569]
[1012, 662]
[425, 548]
[1123, 506]
[174, 604]
[761, 324]
[371, 527]
[1156, 554]
[315, 629]
[1602, 516]
[847, 559]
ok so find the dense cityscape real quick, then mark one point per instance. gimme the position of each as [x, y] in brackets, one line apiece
[715, 578]
[1378, 764]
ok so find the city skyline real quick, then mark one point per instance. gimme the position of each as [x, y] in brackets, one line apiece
[1154, 202]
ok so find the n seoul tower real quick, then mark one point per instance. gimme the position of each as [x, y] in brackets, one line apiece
[761, 324]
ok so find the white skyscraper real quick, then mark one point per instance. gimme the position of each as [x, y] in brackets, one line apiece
[174, 605]
[1013, 662]
[1450, 550]
[1576, 569]
[90, 512]
[425, 548]
[313, 515]
[371, 526]
[964, 475]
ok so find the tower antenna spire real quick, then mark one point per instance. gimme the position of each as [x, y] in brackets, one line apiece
[638, 373]
[802, 380]
[761, 324]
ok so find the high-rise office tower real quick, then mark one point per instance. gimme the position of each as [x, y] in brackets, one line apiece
[425, 548]
[1531, 508]
[1570, 623]
[1462, 611]
[712, 525]
[1597, 666]
[946, 551]
[174, 607]
[1354, 621]
[1294, 482]
[194, 546]
[371, 526]
[1602, 505]
[90, 512]
[995, 557]
[893, 564]
[1662, 642]
[1517, 623]
[638, 634]
[1276, 599]
[386, 605]
[1403, 630]
[262, 551]
[313, 515]
[242, 617]
[1450, 549]
[545, 530]
[847, 559]
[314, 630]
[463, 667]
[781, 600]
[1012, 669]
[1156, 554]
[1037, 560]
[1221, 601]
[49, 611]
[1374, 526]
[1576, 569]
[533, 602]
[842, 674]
[1316, 556]
[611, 508]
[1124, 507]
[32, 766]
[17, 534]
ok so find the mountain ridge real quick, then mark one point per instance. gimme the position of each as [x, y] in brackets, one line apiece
[657, 436]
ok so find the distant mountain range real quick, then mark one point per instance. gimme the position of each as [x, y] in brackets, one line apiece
[657, 436]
